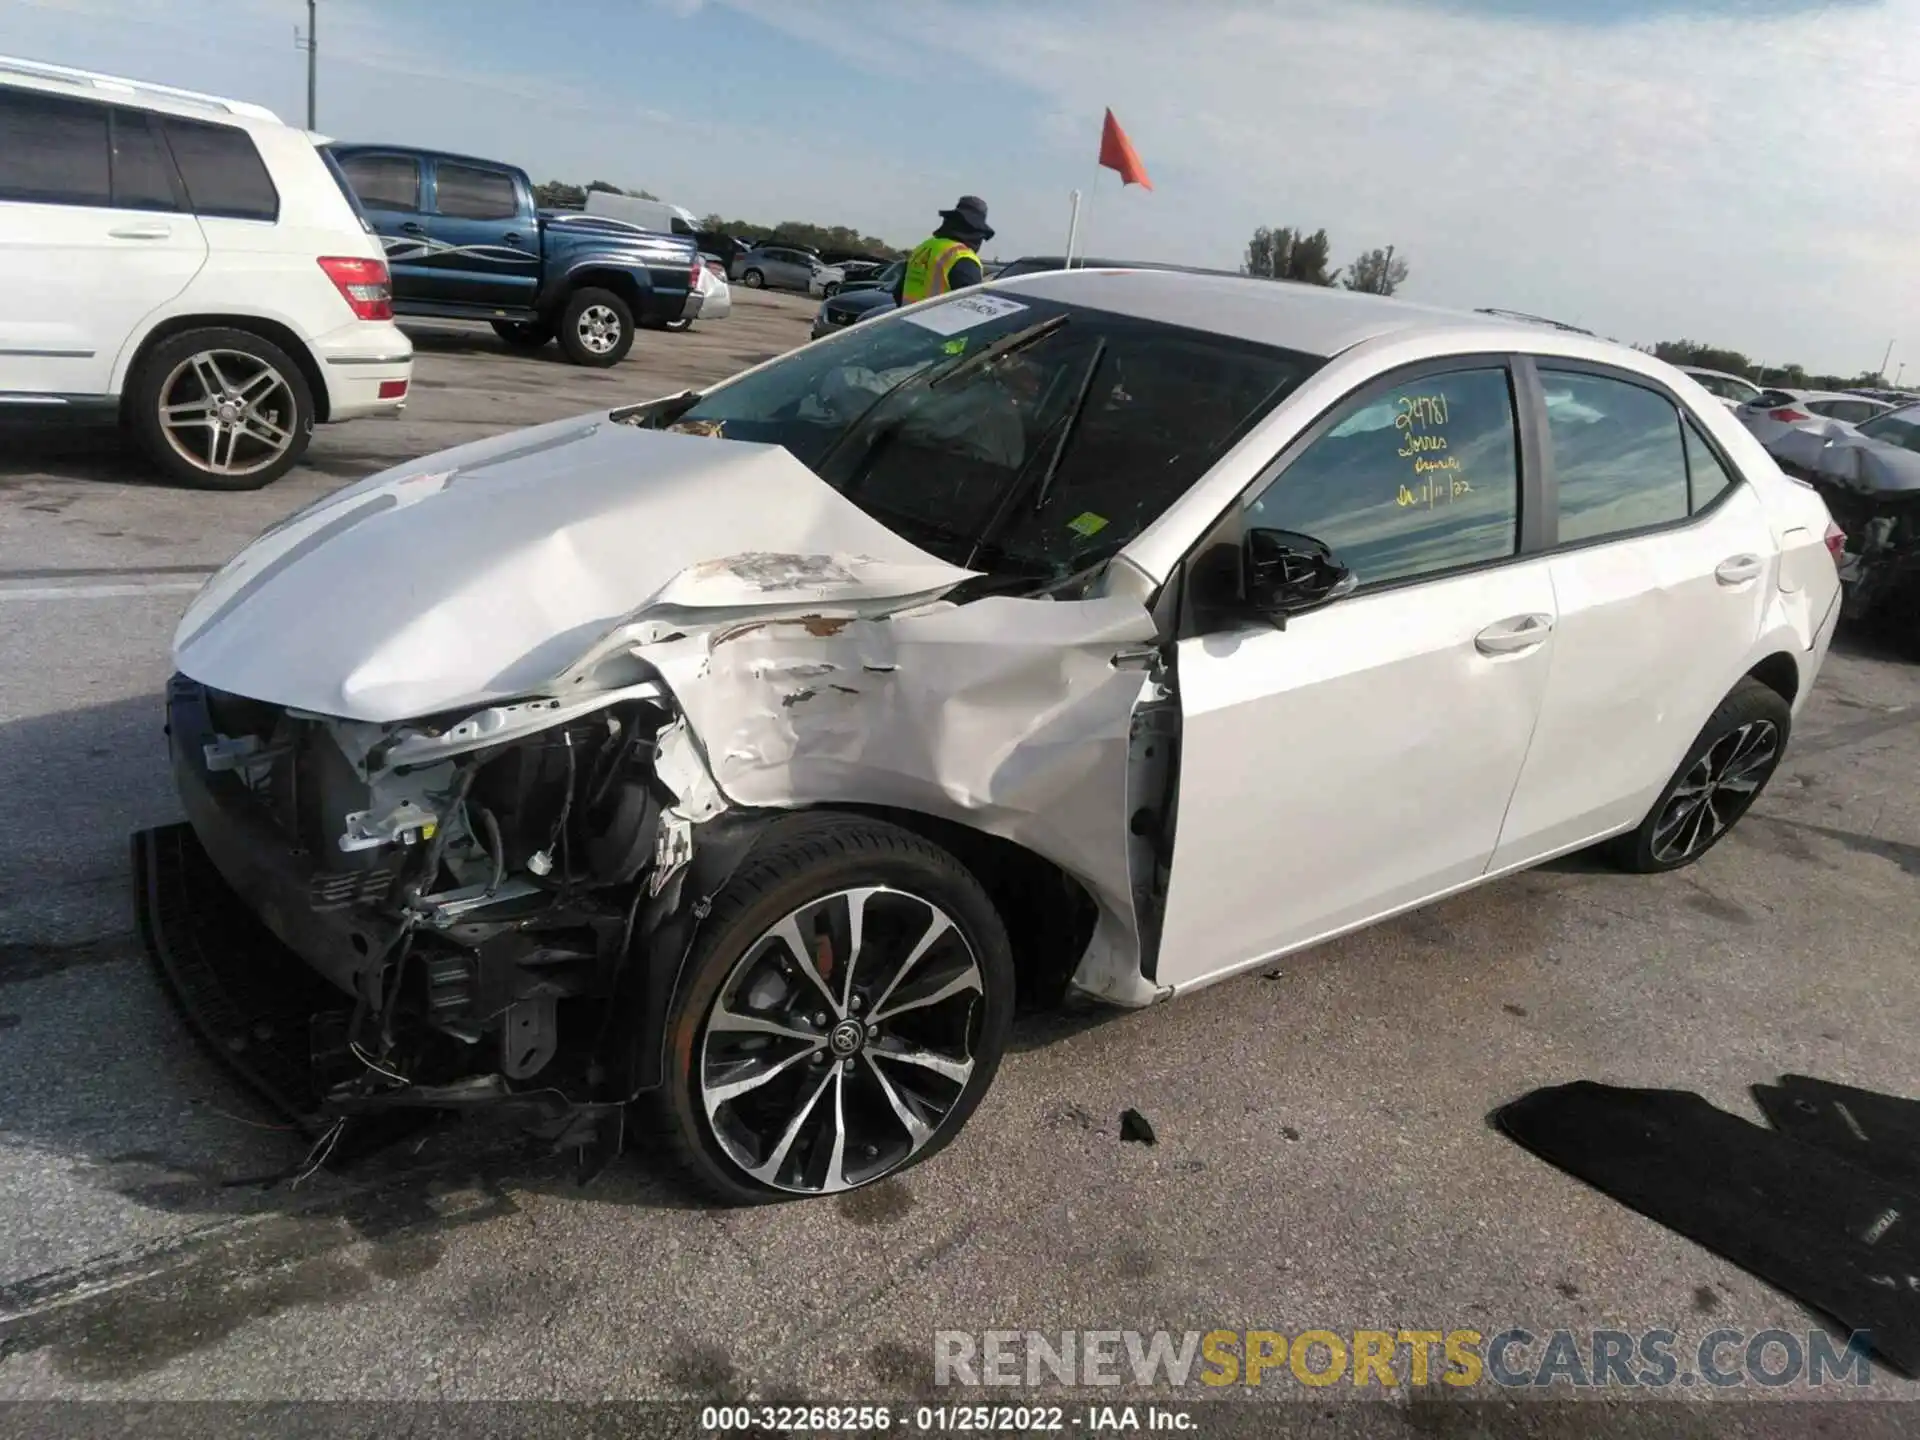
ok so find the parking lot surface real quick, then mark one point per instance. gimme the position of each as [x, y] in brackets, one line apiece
[1323, 1158]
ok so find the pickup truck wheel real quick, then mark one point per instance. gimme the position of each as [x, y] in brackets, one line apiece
[522, 334]
[220, 409]
[596, 328]
[754, 280]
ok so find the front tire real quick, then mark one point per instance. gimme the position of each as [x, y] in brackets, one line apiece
[596, 328]
[1724, 772]
[221, 409]
[802, 1064]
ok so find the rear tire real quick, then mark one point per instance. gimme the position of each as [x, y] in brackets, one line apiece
[220, 409]
[523, 334]
[834, 1054]
[1724, 772]
[753, 280]
[596, 328]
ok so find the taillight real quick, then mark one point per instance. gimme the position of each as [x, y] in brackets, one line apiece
[693, 273]
[363, 284]
[1836, 542]
[1788, 415]
[393, 390]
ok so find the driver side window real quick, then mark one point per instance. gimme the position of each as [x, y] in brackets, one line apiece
[1409, 481]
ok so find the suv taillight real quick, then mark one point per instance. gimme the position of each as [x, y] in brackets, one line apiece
[1787, 414]
[1836, 542]
[363, 284]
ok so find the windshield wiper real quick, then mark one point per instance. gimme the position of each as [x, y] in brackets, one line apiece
[1043, 485]
[937, 374]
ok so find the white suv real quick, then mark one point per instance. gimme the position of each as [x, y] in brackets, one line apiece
[188, 266]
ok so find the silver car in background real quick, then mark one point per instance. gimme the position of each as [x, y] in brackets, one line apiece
[786, 267]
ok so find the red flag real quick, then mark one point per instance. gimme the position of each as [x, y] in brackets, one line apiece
[1117, 153]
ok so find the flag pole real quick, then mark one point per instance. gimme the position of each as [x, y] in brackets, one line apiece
[1080, 211]
[1073, 228]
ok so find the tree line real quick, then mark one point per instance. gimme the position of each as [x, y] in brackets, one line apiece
[1733, 362]
[1281, 252]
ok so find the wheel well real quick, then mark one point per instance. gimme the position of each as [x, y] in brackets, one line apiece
[619, 282]
[1049, 915]
[272, 330]
[1780, 674]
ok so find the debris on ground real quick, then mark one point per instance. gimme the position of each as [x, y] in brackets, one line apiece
[1135, 1127]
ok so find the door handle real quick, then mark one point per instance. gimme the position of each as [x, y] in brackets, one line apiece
[149, 231]
[1514, 634]
[512, 237]
[412, 227]
[1737, 569]
[1136, 657]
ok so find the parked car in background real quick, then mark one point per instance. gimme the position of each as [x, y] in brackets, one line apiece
[1794, 407]
[798, 725]
[862, 301]
[724, 247]
[1732, 390]
[466, 241]
[188, 267]
[783, 267]
[711, 299]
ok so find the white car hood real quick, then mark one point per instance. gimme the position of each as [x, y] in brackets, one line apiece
[483, 572]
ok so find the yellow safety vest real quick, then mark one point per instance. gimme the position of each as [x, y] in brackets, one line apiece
[930, 267]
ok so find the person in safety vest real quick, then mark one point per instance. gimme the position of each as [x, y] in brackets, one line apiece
[948, 259]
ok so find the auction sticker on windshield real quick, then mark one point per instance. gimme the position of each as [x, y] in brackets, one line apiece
[964, 313]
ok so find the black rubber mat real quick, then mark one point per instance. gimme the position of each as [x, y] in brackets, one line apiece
[1833, 1235]
[1877, 1132]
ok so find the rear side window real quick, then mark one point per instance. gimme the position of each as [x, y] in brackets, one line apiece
[1618, 456]
[385, 182]
[1707, 478]
[53, 151]
[465, 192]
[222, 170]
[1411, 481]
[140, 180]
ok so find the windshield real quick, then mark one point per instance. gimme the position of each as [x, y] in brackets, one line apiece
[1025, 438]
[1896, 427]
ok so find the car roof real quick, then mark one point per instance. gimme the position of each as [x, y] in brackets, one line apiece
[1313, 319]
[117, 89]
[1717, 374]
[424, 152]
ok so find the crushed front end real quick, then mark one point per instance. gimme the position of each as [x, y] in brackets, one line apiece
[468, 891]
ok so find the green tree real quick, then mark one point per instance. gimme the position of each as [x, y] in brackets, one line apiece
[558, 195]
[1378, 272]
[1283, 253]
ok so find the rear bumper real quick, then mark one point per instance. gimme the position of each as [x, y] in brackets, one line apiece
[361, 360]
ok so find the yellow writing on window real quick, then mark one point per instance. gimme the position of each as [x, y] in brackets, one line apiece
[1415, 418]
[1435, 490]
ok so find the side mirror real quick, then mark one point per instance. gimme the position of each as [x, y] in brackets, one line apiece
[1289, 574]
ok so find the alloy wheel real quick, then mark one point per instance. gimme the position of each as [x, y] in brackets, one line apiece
[598, 328]
[1716, 790]
[227, 412]
[841, 1041]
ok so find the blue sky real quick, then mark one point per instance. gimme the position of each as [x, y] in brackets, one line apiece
[1740, 171]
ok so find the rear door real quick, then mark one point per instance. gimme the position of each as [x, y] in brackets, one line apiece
[94, 237]
[1661, 569]
[391, 189]
[486, 243]
[1361, 760]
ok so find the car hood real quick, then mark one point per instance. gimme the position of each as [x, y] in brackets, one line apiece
[482, 573]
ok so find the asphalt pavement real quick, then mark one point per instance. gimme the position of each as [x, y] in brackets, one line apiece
[1323, 1159]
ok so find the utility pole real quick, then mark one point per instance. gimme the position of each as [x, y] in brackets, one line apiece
[311, 44]
[1884, 359]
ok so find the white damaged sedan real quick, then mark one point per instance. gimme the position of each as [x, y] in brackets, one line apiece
[751, 753]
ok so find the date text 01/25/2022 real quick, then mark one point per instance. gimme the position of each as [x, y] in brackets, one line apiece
[945, 1419]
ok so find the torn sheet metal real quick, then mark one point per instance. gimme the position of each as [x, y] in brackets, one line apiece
[1836, 451]
[477, 580]
[1005, 714]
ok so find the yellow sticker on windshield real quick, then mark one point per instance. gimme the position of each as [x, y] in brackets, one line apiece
[1086, 524]
[956, 347]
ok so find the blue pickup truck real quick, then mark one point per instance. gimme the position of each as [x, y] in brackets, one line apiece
[465, 240]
